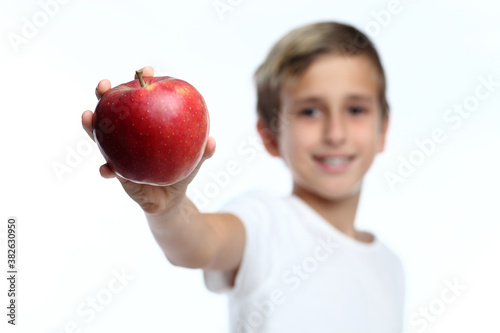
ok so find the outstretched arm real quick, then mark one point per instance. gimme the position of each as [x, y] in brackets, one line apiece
[188, 237]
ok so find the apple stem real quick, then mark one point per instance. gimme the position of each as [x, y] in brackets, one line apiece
[139, 75]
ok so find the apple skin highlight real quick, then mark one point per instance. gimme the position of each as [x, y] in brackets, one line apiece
[154, 134]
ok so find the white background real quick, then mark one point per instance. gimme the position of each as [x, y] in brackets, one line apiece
[75, 229]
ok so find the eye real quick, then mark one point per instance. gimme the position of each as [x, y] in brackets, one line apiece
[310, 112]
[357, 110]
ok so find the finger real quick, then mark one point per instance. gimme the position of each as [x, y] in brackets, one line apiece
[87, 123]
[102, 87]
[209, 151]
[209, 148]
[146, 71]
[106, 171]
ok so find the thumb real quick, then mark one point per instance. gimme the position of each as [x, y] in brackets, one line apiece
[209, 149]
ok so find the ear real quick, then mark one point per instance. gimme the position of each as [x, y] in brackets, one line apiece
[383, 134]
[268, 138]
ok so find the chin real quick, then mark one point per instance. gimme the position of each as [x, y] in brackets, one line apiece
[336, 195]
[334, 192]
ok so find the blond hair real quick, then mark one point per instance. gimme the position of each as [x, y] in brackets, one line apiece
[292, 55]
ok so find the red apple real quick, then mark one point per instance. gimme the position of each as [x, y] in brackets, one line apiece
[152, 130]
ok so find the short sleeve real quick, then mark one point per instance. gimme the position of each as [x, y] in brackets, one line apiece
[254, 210]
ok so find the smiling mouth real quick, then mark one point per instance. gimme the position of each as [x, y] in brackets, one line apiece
[334, 160]
[334, 164]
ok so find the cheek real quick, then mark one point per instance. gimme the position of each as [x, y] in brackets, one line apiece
[301, 137]
[296, 141]
[368, 139]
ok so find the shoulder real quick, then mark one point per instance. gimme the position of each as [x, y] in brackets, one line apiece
[257, 210]
[390, 259]
[257, 200]
[256, 194]
[263, 214]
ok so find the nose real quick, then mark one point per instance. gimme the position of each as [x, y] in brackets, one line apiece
[335, 130]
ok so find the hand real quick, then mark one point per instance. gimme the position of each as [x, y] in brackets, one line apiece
[152, 199]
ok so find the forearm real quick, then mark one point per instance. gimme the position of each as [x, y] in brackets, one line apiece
[183, 234]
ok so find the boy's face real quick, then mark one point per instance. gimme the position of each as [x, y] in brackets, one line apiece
[330, 126]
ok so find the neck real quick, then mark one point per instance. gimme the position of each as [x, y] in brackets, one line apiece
[340, 213]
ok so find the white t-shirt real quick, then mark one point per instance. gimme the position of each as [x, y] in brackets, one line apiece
[300, 274]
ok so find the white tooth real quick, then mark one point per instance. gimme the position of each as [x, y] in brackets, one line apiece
[336, 160]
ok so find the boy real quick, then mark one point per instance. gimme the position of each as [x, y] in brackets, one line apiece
[295, 263]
